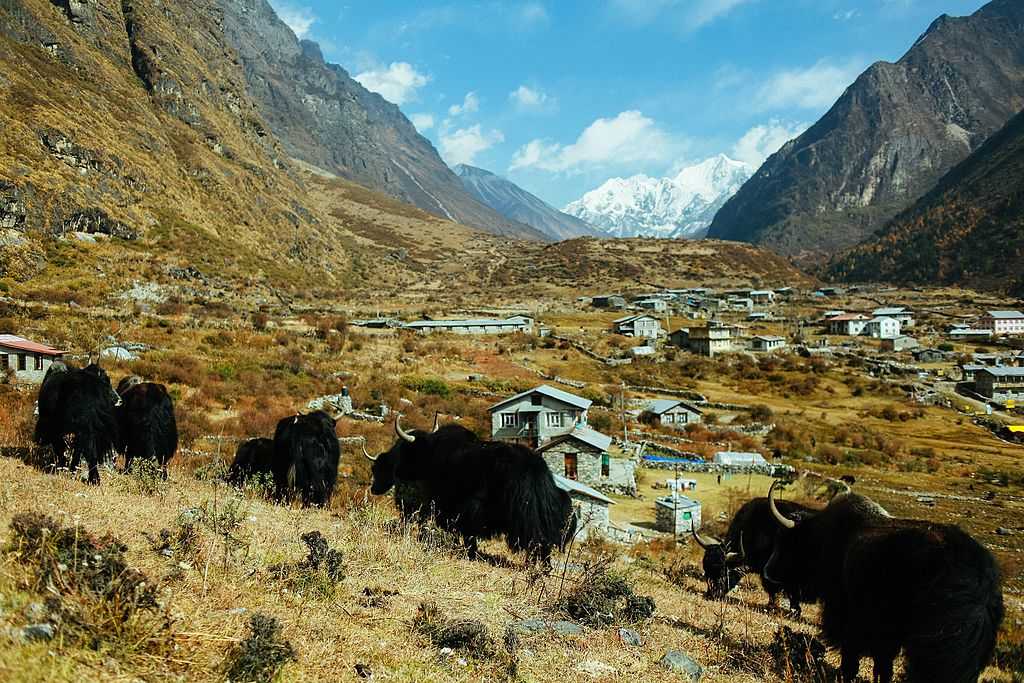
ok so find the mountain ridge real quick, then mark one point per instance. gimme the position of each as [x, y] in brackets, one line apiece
[888, 139]
[516, 204]
[681, 206]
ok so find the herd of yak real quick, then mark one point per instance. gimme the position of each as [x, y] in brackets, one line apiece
[885, 585]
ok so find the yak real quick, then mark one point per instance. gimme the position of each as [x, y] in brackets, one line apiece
[253, 457]
[746, 548]
[480, 489]
[147, 428]
[887, 584]
[77, 417]
[306, 457]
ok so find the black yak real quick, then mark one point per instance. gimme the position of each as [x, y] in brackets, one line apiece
[253, 457]
[748, 544]
[481, 489]
[887, 584]
[147, 428]
[77, 417]
[306, 457]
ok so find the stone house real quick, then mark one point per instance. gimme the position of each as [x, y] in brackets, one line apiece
[641, 325]
[711, 340]
[590, 506]
[656, 305]
[900, 343]
[671, 413]
[534, 417]
[582, 455]
[677, 514]
[1000, 384]
[608, 301]
[26, 361]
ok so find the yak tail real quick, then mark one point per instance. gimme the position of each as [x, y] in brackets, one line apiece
[539, 512]
[960, 639]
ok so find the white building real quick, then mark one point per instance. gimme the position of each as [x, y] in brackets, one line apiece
[27, 361]
[1009, 323]
[901, 313]
[882, 328]
[768, 343]
[735, 459]
[641, 325]
[518, 323]
[534, 417]
[848, 324]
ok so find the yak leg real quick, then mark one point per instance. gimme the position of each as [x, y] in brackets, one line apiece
[794, 602]
[882, 670]
[850, 664]
[471, 547]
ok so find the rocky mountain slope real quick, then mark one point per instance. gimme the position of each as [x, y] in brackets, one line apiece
[517, 204]
[324, 117]
[888, 139]
[681, 206]
[969, 230]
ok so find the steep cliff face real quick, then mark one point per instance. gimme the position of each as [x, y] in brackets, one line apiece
[969, 230]
[888, 139]
[325, 118]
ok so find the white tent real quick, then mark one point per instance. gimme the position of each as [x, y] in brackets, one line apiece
[739, 459]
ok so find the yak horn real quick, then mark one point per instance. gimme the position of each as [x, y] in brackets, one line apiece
[702, 542]
[783, 520]
[437, 422]
[406, 436]
[729, 557]
[367, 454]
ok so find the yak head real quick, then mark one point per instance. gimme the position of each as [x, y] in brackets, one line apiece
[722, 569]
[398, 462]
[94, 370]
[127, 383]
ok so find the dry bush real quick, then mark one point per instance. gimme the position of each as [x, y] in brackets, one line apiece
[261, 655]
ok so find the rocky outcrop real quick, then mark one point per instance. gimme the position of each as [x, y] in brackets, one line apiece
[325, 118]
[888, 139]
[967, 231]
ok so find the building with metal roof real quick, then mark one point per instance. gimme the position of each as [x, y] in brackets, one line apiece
[26, 360]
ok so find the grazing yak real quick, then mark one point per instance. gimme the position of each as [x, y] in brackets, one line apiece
[748, 544]
[77, 417]
[480, 489]
[254, 456]
[306, 457]
[887, 584]
[147, 428]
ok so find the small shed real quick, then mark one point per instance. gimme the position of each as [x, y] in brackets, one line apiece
[737, 459]
[676, 514]
[25, 360]
[591, 507]
[900, 343]
[671, 413]
[768, 343]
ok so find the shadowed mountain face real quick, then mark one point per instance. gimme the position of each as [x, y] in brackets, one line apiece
[888, 139]
[324, 117]
[517, 204]
[969, 230]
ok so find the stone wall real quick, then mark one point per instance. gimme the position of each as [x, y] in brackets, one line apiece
[621, 477]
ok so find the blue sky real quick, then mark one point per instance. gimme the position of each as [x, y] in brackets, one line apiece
[561, 95]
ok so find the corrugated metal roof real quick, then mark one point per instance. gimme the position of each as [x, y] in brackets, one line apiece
[571, 486]
[1003, 371]
[1006, 315]
[895, 310]
[13, 341]
[472, 322]
[677, 502]
[551, 392]
[585, 434]
[663, 405]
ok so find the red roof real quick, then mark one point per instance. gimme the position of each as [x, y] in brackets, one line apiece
[848, 316]
[12, 341]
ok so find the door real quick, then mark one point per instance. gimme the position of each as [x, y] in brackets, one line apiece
[570, 465]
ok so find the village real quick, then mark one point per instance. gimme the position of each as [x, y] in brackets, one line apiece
[655, 456]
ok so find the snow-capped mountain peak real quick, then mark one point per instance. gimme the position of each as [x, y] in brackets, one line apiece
[679, 206]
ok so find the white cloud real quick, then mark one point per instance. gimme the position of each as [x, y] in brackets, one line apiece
[760, 142]
[423, 122]
[846, 15]
[397, 83]
[299, 19]
[687, 14]
[815, 87]
[462, 146]
[528, 99]
[628, 138]
[470, 105]
[532, 14]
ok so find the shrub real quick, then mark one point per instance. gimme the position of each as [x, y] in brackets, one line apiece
[261, 655]
[431, 386]
[604, 598]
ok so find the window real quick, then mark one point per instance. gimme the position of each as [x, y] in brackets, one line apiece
[3, 361]
[509, 419]
[606, 465]
[555, 420]
[21, 362]
[687, 515]
[570, 466]
[536, 400]
[39, 362]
